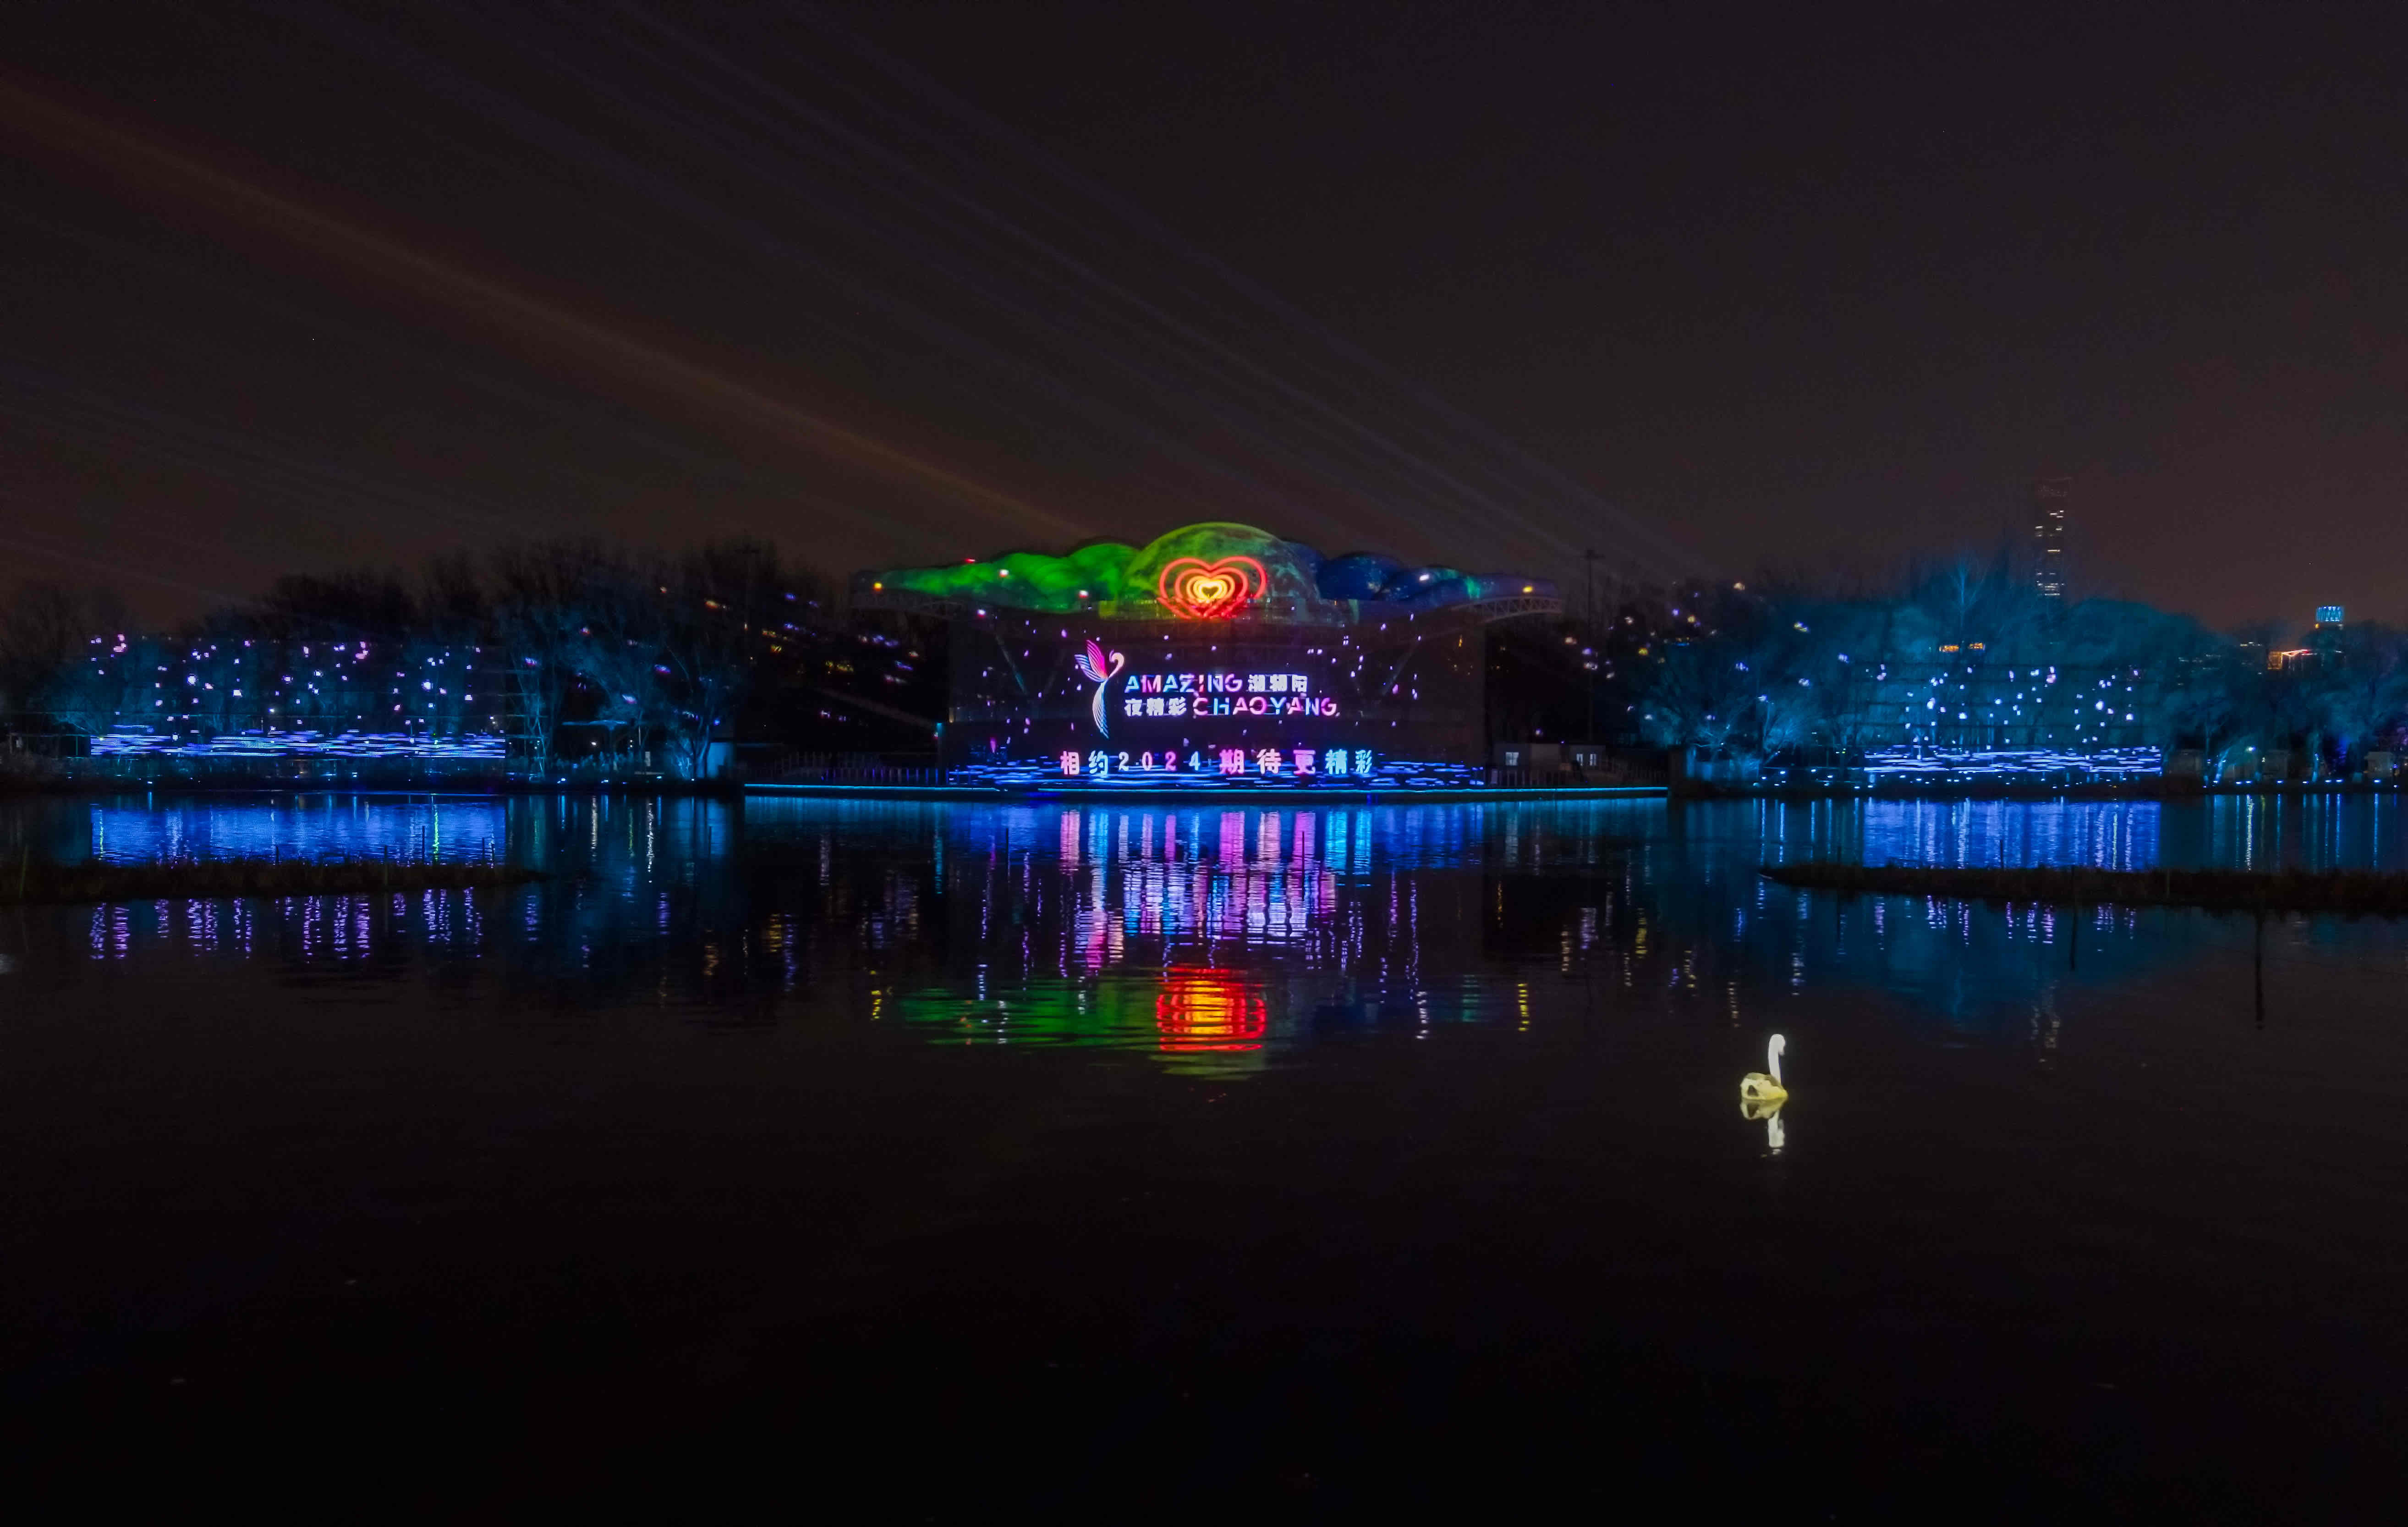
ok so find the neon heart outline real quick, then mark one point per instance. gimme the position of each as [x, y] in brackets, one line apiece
[1178, 586]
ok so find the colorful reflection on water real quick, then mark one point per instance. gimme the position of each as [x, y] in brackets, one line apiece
[1202, 1012]
[1131, 1095]
[307, 825]
[1206, 932]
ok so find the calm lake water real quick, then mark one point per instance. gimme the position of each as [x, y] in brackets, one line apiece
[944, 1157]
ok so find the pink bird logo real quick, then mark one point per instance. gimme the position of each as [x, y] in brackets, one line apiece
[1091, 662]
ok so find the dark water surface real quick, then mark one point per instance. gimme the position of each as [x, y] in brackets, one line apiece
[929, 1160]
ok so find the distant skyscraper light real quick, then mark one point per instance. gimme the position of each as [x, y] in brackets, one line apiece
[2051, 496]
[2329, 614]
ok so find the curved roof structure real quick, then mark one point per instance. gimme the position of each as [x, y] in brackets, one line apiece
[1214, 571]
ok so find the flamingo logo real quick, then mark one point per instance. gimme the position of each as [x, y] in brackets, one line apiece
[1091, 662]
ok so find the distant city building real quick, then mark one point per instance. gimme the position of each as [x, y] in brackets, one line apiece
[2324, 642]
[2051, 497]
[2324, 639]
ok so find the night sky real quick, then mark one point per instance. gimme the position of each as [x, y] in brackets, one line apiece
[293, 288]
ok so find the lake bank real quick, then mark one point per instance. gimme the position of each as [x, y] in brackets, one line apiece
[31, 883]
[2351, 893]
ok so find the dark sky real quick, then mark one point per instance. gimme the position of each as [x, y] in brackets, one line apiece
[294, 287]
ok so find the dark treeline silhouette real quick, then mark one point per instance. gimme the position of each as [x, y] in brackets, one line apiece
[45, 629]
[576, 656]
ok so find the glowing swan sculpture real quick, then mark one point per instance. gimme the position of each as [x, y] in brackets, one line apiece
[1091, 664]
[1757, 1086]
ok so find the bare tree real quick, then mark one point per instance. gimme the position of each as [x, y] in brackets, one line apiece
[725, 595]
[2361, 685]
[544, 599]
[46, 630]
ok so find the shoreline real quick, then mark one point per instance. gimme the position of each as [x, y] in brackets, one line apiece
[2353, 892]
[12, 789]
[2103, 790]
[1335, 795]
[27, 884]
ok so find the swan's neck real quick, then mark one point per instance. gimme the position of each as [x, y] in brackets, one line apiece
[1773, 1060]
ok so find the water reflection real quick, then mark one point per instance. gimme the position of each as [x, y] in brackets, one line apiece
[306, 826]
[300, 933]
[2249, 832]
[1201, 1011]
[1755, 1111]
[1219, 934]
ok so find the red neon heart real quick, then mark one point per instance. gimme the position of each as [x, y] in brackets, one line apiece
[1201, 590]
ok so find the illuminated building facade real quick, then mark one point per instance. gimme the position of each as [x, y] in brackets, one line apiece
[1217, 657]
[2051, 497]
[2324, 643]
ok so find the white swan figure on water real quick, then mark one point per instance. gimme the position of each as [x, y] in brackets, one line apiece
[1765, 1085]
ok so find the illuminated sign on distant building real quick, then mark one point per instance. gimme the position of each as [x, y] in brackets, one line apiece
[1216, 657]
